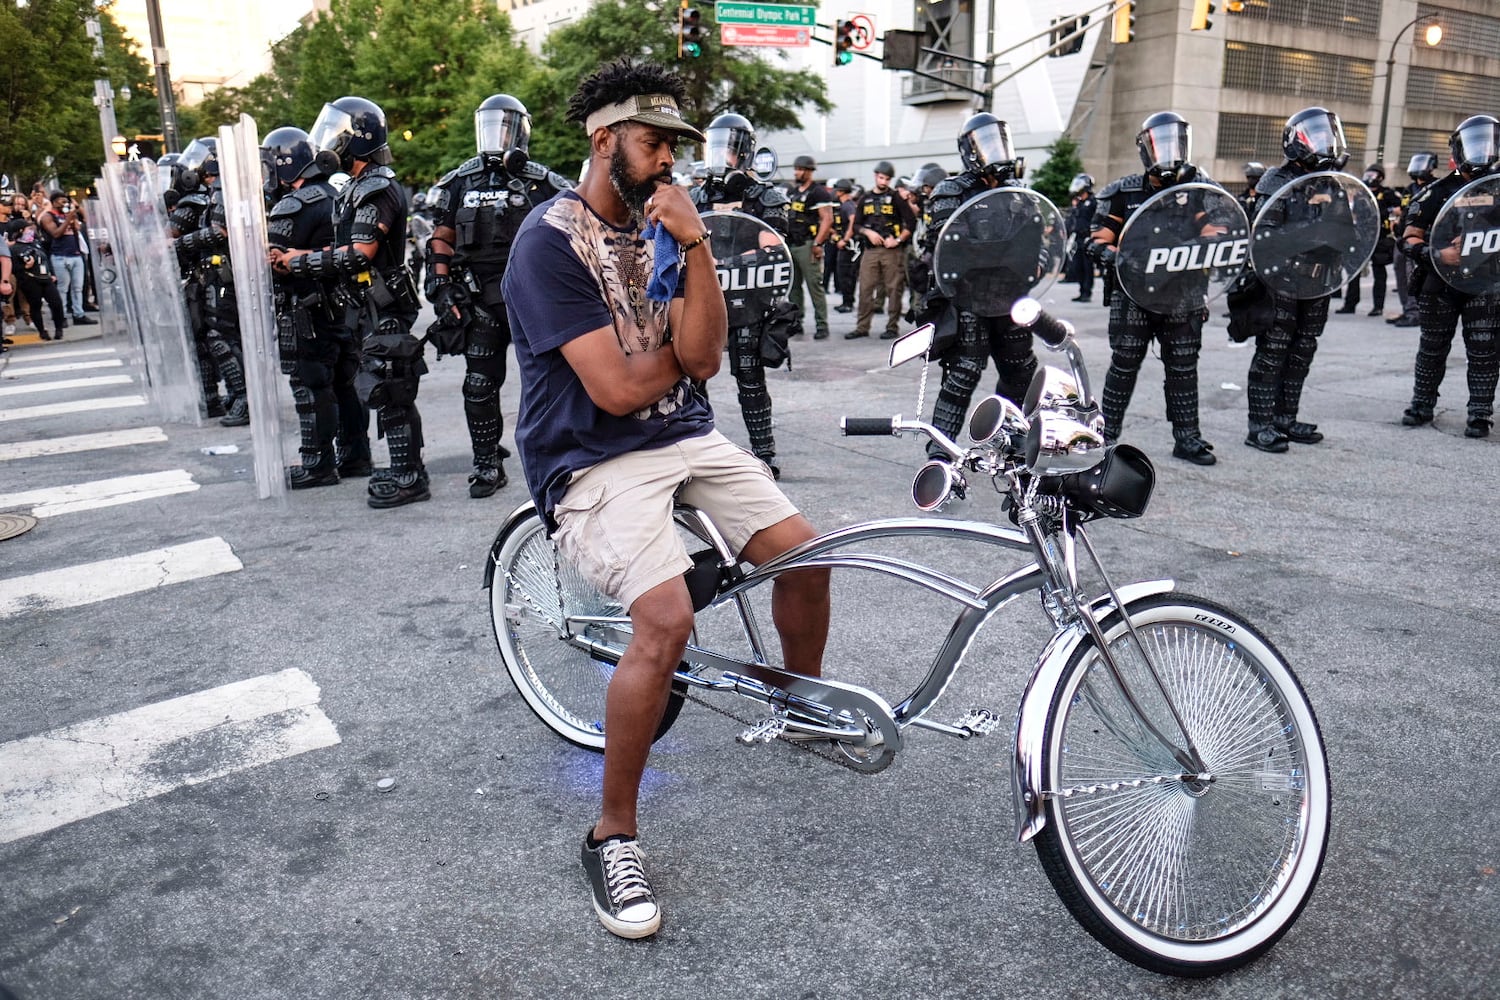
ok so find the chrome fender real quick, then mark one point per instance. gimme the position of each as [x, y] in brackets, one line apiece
[1026, 777]
[521, 513]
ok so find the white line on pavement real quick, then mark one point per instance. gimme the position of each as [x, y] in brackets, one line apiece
[92, 382]
[78, 771]
[63, 352]
[77, 406]
[100, 493]
[81, 442]
[15, 372]
[74, 586]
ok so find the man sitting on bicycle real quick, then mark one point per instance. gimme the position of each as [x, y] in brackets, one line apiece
[610, 432]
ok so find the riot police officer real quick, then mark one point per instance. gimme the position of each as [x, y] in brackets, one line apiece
[1165, 146]
[733, 183]
[1312, 140]
[194, 169]
[1475, 146]
[1389, 204]
[478, 208]
[1421, 168]
[364, 262]
[1250, 200]
[989, 161]
[1080, 221]
[317, 349]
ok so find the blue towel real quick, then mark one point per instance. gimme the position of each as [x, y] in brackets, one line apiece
[663, 284]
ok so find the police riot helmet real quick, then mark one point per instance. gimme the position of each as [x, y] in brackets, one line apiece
[1165, 142]
[1081, 183]
[419, 201]
[1254, 170]
[1422, 166]
[730, 144]
[501, 124]
[291, 151]
[931, 176]
[1374, 174]
[1314, 139]
[199, 161]
[352, 128]
[1475, 144]
[168, 166]
[984, 147]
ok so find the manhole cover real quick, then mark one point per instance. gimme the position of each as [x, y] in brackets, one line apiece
[12, 525]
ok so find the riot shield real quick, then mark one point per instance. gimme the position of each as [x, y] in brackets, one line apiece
[245, 215]
[755, 266]
[109, 284]
[143, 273]
[1314, 235]
[999, 247]
[1182, 248]
[1464, 243]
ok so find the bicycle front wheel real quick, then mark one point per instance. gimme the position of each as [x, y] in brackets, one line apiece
[533, 594]
[1190, 875]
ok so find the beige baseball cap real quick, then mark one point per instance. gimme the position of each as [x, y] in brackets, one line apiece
[657, 110]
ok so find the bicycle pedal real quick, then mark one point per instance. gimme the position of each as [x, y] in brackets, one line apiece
[762, 732]
[979, 721]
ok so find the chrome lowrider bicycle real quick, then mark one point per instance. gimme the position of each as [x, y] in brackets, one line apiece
[1165, 760]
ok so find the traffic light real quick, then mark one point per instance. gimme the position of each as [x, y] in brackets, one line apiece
[1202, 11]
[1122, 27]
[689, 31]
[843, 44]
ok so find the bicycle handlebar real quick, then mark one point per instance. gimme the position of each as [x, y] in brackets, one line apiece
[867, 426]
[895, 427]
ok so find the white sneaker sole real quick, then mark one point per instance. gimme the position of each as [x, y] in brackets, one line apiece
[630, 929]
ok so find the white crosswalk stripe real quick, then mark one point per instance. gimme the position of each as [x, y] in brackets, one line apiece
[53, 352]
[100, 493]
[16, 371]
[77, 406]
[92, 382]
[82, 770]
[71, 443]
[74, 586]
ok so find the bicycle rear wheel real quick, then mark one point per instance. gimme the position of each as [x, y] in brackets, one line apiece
[533, 592]
[1182, 876]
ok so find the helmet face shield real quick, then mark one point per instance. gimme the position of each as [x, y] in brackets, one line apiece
[1166, 146]
[332, 131]
[1421, 165]
[728, 149]
[195, 156]
[499, 130]
[1323, 135]
[988, 147]
[1476, 144]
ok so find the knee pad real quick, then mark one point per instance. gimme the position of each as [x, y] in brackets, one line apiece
[479, 388]
[220, 348]
[302, 398]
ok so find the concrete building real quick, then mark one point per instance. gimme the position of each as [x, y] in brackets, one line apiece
[1237, 81]
[212, 45]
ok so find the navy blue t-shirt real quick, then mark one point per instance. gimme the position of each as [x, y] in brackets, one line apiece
[571, 273]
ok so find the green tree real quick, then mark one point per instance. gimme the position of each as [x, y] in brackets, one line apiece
[723, 78]
[1053, 177]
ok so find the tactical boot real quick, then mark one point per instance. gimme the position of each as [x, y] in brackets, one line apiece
[389, 489]
[319, 472]
[1477, 427]
[213, 407]
[1194, 449]
[1265, 437]
[238, 414]
[1416, 416]
[487, 477]
[1296, 430]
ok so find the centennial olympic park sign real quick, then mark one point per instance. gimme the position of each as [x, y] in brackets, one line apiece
[772, 24]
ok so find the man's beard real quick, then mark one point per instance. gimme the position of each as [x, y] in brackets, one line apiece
[633, 194]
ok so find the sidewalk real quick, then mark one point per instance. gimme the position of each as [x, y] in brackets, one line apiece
[27, 337]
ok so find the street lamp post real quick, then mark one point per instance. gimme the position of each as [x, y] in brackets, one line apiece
[1434, 35]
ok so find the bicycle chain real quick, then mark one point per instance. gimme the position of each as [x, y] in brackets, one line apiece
[804, 746]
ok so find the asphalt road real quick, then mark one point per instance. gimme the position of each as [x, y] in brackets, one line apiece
[1370, 559]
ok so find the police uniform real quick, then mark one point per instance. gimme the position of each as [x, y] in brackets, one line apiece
[805, 220]
[1442, 306]
[770, 205]
[478, 209]
[978, 336]
[317, 350]
[186, 220]
[1131, 330]
[1388, 201]
[886, 214]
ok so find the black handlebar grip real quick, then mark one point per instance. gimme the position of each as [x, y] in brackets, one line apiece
[867, 426]
[1028, 313]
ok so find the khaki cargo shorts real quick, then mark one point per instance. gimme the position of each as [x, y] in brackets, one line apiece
[615, 525]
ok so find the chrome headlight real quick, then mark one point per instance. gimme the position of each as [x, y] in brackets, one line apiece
[1051, 389]
[994, 415]
[1058, 445]
[937, 482]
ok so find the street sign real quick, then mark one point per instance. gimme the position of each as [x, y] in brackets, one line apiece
[771, 14]
[783, 36]
[864, 31]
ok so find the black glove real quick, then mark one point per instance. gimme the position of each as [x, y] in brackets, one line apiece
[449, 296]
[1414, 252]
[1102, 253]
